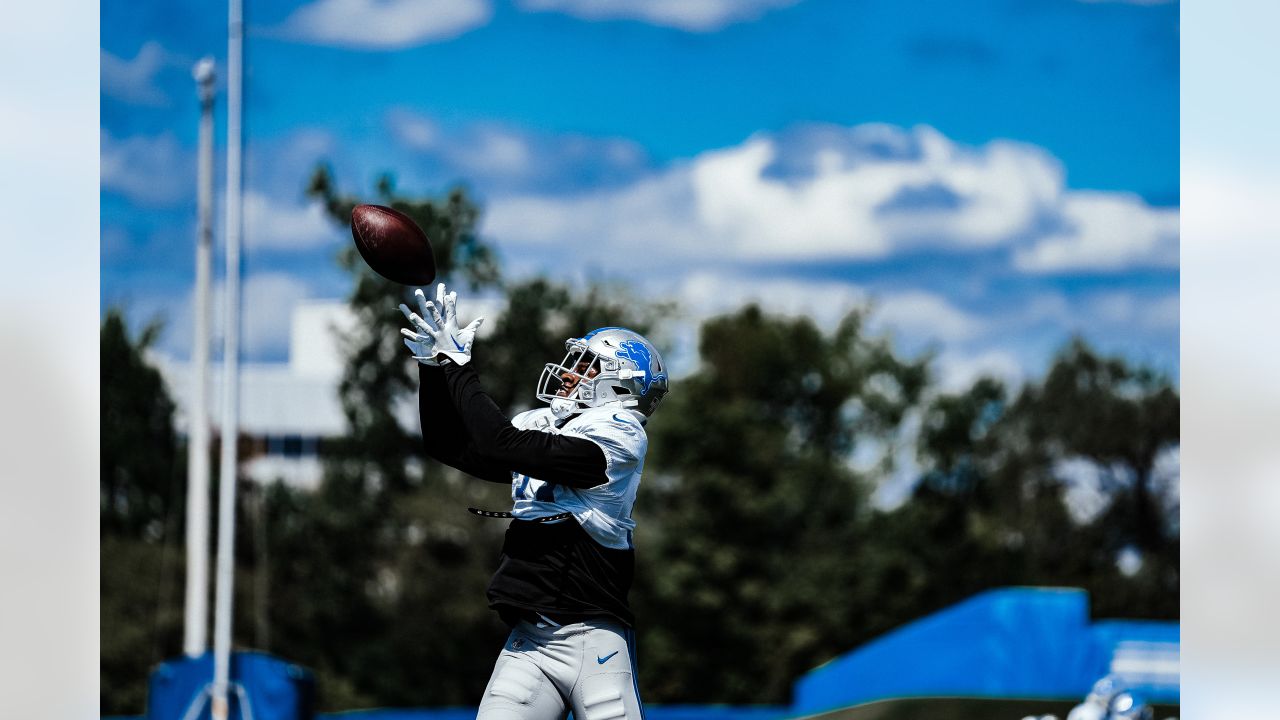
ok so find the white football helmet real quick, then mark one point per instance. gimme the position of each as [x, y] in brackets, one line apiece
[607, 367]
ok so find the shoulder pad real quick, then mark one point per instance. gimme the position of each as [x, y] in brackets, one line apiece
[609, 415]
[616, 422]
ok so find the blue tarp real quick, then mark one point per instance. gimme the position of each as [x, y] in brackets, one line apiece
[273, 688]
[1008, 643]
[651, 712]
[1030, 643]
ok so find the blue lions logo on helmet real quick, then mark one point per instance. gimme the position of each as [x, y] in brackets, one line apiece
[639, 354]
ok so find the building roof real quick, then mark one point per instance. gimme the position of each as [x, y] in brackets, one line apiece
[297, 397]
[300, 396]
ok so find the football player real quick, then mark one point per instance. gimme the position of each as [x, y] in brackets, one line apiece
[574, 467]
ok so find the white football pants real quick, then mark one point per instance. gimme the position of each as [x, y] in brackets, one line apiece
[544, 671]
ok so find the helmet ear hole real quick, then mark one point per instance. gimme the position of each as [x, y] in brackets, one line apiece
[619, 390]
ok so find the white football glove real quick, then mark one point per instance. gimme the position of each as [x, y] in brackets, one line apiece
[421, 339]
[438, 334]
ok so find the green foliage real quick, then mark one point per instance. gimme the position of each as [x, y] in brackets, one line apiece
[141, 618]
[139, 472]
[991, 507]
[751, 516]
[1119, 417]
[760, 557]
[142, 498]
[539, 317]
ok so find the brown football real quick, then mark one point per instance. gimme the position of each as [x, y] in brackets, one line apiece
[393, 245]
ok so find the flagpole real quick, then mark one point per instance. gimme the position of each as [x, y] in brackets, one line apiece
[196, 629]
[231, 366]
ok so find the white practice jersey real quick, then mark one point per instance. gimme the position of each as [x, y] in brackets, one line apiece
[603, 511]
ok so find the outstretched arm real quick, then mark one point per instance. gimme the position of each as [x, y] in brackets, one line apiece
[443, 435]
[560, 459]
[463, 427]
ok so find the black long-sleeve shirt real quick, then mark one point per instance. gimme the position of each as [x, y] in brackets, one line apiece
[462, 427]
[555, 569]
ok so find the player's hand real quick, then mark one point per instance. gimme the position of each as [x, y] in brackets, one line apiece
[439, 320]
[456, 343]
[421, 338]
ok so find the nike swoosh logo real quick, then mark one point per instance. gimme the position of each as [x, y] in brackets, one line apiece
[455, 344]
[605, 659]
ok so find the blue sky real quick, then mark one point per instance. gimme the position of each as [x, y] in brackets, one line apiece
[992, 176]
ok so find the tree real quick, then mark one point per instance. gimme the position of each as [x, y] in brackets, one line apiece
[1121, 419]
[991, 508]
[752, 518]
[939, 547]
[142, 496]
[139, 472]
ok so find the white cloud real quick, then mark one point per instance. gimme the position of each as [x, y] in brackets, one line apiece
[413, 130]
[267, 310]
[904, 470]
[1118, 309]
[150, 170]
[1105, 231]
[852, 206]
[501, 152]
[691, 15]
[505, 159]
[1009, 340]
[484, 150]
[269, 223]
[845, 194]
[1090, 486]
[957, 371]
[706, 294]
[1166, 481]
[285, 162]
[648, 222]
[1112, 313]
[134, 81]
[1086, 494]
[267, 301]
[927, 316]
[914, 315]
[383, 24]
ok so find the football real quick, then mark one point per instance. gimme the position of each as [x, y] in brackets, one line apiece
[393, 245]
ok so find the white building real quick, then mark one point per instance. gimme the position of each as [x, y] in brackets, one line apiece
[289, 409]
